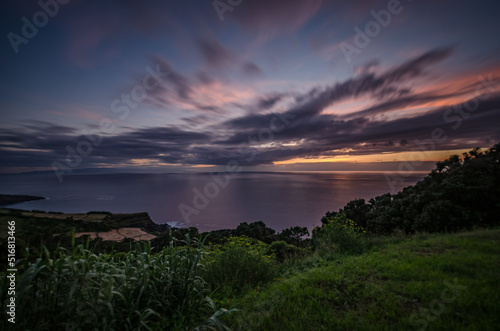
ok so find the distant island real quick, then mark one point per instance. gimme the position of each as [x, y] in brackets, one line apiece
[8, 199]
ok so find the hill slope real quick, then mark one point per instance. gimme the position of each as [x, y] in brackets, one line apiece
[445, 281]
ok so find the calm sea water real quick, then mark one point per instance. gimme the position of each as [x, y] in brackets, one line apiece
[280, 200]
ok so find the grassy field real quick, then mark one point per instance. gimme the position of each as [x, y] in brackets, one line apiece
[433, 282]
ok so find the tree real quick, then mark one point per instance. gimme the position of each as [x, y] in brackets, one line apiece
[294, 235]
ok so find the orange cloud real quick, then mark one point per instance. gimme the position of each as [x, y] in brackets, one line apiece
[382, 157]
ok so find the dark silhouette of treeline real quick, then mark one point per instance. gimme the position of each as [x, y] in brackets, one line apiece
[256, 230]
[462, 192]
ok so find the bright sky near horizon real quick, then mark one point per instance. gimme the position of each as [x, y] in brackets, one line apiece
[268, 85]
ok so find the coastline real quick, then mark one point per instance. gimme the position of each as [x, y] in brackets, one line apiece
[9, 199]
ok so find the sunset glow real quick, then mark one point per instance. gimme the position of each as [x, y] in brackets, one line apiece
[182, 86]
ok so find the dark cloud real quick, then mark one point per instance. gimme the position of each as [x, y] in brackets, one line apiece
[316, 100]
[269, 101]
[399, 103]
[214, 54]
[251, 69]
[204, 77]
[180, 83]
[417, 66]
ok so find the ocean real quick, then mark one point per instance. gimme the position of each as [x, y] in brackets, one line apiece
[280, 200]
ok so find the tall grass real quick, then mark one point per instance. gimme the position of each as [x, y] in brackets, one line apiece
[137, 290]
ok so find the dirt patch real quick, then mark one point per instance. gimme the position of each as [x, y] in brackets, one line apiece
[136, 233]
[94, 217]
[119, 234]
[112, 235]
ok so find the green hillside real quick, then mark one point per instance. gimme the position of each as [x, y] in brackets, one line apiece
[435, 282]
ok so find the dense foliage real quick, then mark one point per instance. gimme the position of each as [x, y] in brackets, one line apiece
[239, 264]
[339, 234]
[260, 231]
[460, 193]
[77, 289]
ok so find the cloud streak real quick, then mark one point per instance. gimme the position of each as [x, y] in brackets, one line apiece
[313, 133]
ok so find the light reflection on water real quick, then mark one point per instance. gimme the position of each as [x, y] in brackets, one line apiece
[280, 200]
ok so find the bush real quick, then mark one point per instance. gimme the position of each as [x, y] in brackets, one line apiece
[339, 234]
[283, 251]
[237, 268]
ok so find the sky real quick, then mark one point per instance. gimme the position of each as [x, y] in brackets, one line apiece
[282, 85]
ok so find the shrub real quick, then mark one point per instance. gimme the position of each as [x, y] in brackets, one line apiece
[283, 251]
[252, 245]
[339, 234]
[236, 268]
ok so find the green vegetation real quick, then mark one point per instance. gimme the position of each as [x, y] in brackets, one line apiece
[461, 193]
[436, 281]
[135, 290]
[391, 263]
[236, 269]
[339, 234]
[440, 281]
